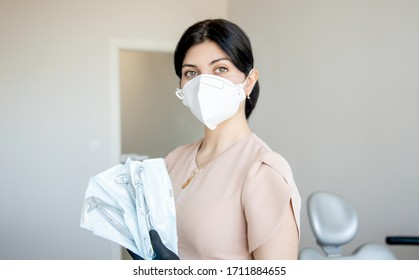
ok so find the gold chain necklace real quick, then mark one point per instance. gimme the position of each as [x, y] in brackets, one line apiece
[196, 171]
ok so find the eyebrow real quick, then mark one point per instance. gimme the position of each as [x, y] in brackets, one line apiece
[211, 63]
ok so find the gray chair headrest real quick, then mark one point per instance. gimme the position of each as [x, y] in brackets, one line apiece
[333, 220]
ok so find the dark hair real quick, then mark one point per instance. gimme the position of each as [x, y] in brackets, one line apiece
[231, 39]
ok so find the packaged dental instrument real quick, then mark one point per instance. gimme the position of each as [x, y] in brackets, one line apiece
[125, 202]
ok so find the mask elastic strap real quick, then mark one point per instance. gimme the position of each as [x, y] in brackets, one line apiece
[244, 83]
[179, 93]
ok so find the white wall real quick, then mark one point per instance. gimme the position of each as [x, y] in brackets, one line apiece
[55, 112]
[153, 120]
[339, 99]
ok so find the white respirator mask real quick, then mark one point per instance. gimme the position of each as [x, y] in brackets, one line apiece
[212, 99]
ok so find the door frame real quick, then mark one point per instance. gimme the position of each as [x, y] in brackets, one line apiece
[115, 46]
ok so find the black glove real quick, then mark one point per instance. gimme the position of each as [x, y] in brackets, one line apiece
[161, 251]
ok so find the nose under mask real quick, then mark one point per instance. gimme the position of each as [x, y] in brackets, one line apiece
[212, 99]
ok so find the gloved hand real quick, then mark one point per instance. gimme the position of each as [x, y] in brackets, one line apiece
[161, 251]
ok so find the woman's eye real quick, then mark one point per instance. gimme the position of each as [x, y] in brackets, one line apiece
[190, 73]
[221, 69]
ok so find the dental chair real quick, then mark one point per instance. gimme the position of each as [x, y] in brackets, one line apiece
[334, 223]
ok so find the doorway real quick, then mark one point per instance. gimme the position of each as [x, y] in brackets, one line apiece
[147, 118]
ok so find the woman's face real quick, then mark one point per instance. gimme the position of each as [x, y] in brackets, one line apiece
[209, 58]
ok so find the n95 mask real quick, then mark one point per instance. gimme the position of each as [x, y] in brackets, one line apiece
[212, 99]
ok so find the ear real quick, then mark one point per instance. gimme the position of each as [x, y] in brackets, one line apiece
[251, 81]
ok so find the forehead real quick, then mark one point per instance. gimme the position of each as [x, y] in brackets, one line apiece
[204, 52]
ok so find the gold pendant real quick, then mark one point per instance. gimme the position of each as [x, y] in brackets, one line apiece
[190, 178]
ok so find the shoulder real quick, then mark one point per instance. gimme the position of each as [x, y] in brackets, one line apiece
[269, 177]
[270, 162]
[269, 187]
[275, 163]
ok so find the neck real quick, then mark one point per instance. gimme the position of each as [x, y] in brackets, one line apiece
[220, 139]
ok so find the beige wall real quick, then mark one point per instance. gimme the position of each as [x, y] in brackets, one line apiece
[153, 120]
[55, 112]
[339, 99]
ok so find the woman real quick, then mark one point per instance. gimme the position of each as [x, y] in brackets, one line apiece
[235, 197]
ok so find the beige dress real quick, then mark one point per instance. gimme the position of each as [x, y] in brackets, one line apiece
[234, 203]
